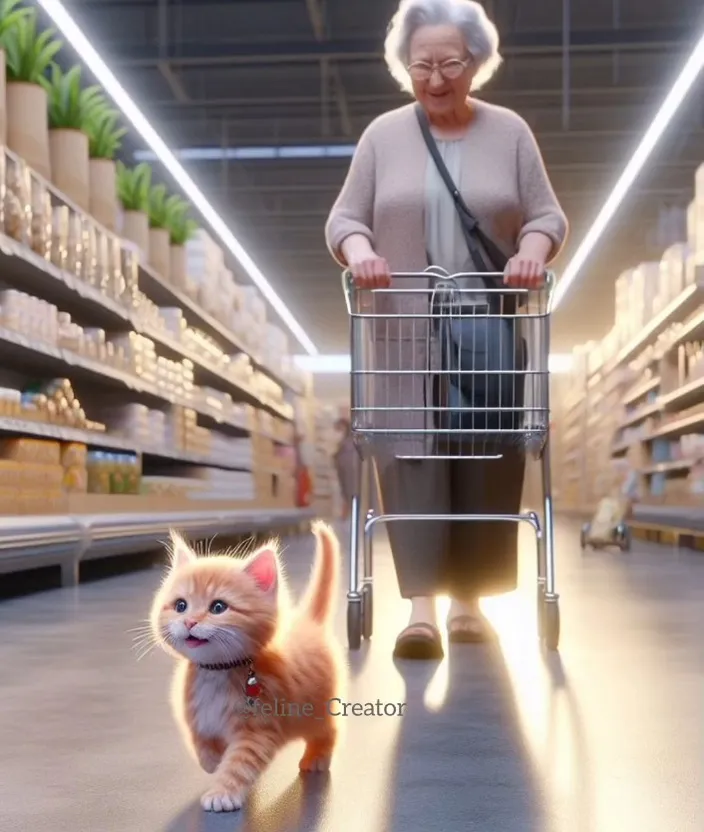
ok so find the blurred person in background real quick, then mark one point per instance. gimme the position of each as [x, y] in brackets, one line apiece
[304, 484]
[396, 213]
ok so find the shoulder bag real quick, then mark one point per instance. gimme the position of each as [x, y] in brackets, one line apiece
[483, 357]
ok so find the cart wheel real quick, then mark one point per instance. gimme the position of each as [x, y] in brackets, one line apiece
[354, 624]
[624, 538]
[551, 624]
[584, 535]
[367, 611]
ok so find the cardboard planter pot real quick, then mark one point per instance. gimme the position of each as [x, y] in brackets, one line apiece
[3, 99]
[135, 228]
[28, 125]
[70, 165]
[102, 197]
[177, 273]
[159, 251]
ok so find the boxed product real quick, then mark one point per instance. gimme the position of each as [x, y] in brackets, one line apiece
[34, 451]
[647, 287]
[699, 184]
[10, 403]
[39, 476]
[623, 288]
[253, 305]
[174, 322]
[31, 316]
[672, 271]
[695, 226]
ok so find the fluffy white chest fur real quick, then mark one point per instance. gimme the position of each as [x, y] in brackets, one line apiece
[213, 703]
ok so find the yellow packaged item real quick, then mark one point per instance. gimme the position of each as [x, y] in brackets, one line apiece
[74, 454]
[75, 479]
[40, 451]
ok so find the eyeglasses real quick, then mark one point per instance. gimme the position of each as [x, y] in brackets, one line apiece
[450, 70]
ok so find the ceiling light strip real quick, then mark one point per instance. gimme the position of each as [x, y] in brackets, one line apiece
[662, 119]
[558, 363]
[80, 43]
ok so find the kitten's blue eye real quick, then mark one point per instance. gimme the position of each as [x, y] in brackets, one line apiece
[180, 605]
[218, 607]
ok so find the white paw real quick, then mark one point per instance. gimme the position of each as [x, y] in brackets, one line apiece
[218, 800]
[309, 764]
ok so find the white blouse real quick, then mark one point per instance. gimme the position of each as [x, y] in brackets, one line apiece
[444, 238]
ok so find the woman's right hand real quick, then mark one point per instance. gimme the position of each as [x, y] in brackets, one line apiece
[369, 271]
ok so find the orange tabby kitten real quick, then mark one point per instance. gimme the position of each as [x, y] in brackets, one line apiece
[252, 675]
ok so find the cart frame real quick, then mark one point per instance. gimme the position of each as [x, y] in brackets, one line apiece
[363, 519]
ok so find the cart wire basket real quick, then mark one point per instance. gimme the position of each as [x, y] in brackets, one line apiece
[443, 367]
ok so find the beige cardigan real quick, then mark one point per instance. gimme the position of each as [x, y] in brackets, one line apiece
[505, 185]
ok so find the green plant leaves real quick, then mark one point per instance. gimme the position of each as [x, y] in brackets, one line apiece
[134, 186]
[136, 193]
[28, 54]
[104, 135]
[70, 107]
[181, 226]
[158, 207]
[11, 13]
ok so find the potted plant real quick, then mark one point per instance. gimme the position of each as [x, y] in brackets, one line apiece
[181, 230]
[161, 208]
[28, 55]
[133, 189]
[105, 138]
[11, 13]
[70, 111]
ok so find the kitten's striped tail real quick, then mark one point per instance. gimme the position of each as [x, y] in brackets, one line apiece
[322, 589]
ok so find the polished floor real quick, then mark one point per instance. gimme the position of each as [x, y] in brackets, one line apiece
[606, 738]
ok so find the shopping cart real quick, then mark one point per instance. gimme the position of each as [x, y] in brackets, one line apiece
[418, 392]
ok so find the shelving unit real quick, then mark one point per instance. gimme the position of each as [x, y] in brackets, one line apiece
[206, 425]
[67, 541]
[326, 484]
[639, 393]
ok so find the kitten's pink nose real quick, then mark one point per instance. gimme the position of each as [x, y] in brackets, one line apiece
[190, 624]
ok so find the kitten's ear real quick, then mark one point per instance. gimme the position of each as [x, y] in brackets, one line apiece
[181, 552]
[263, 566]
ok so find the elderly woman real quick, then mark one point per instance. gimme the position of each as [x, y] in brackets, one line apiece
[395, 213]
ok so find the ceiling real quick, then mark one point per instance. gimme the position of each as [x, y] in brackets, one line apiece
[262, 73]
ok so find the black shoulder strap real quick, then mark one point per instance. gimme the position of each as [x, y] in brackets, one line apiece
[475, 237]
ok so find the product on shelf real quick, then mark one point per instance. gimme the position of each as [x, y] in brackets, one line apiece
[110, 473]
[639, 392]
[17, 204]
[39, 475]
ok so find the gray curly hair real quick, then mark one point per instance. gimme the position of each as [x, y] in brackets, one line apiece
[469, 17]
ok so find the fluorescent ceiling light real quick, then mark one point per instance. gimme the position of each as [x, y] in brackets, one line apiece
[80, 43]
[558, 363]
[255, 154]
[324, 364]
[662, 119]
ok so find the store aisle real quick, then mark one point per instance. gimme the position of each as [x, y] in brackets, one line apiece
[606, 739]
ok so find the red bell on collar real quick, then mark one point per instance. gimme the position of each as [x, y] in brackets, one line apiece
[252, 688]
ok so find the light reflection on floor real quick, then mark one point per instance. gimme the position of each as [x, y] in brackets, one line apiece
[604, 737]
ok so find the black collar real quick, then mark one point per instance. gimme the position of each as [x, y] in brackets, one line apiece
[228, 665]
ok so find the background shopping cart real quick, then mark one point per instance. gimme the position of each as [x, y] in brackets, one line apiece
[445, 368]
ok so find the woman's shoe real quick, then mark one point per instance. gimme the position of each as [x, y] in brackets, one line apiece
[468, 629]
[419, 641]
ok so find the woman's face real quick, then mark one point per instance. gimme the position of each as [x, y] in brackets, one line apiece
[441, 69]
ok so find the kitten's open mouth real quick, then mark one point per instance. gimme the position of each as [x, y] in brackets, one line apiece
[192, 641]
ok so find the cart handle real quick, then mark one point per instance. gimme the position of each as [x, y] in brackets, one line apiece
[439, 274]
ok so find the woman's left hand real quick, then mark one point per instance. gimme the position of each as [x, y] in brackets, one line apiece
[525, 272]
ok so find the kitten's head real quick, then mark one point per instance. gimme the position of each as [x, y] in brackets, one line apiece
[217, 609]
